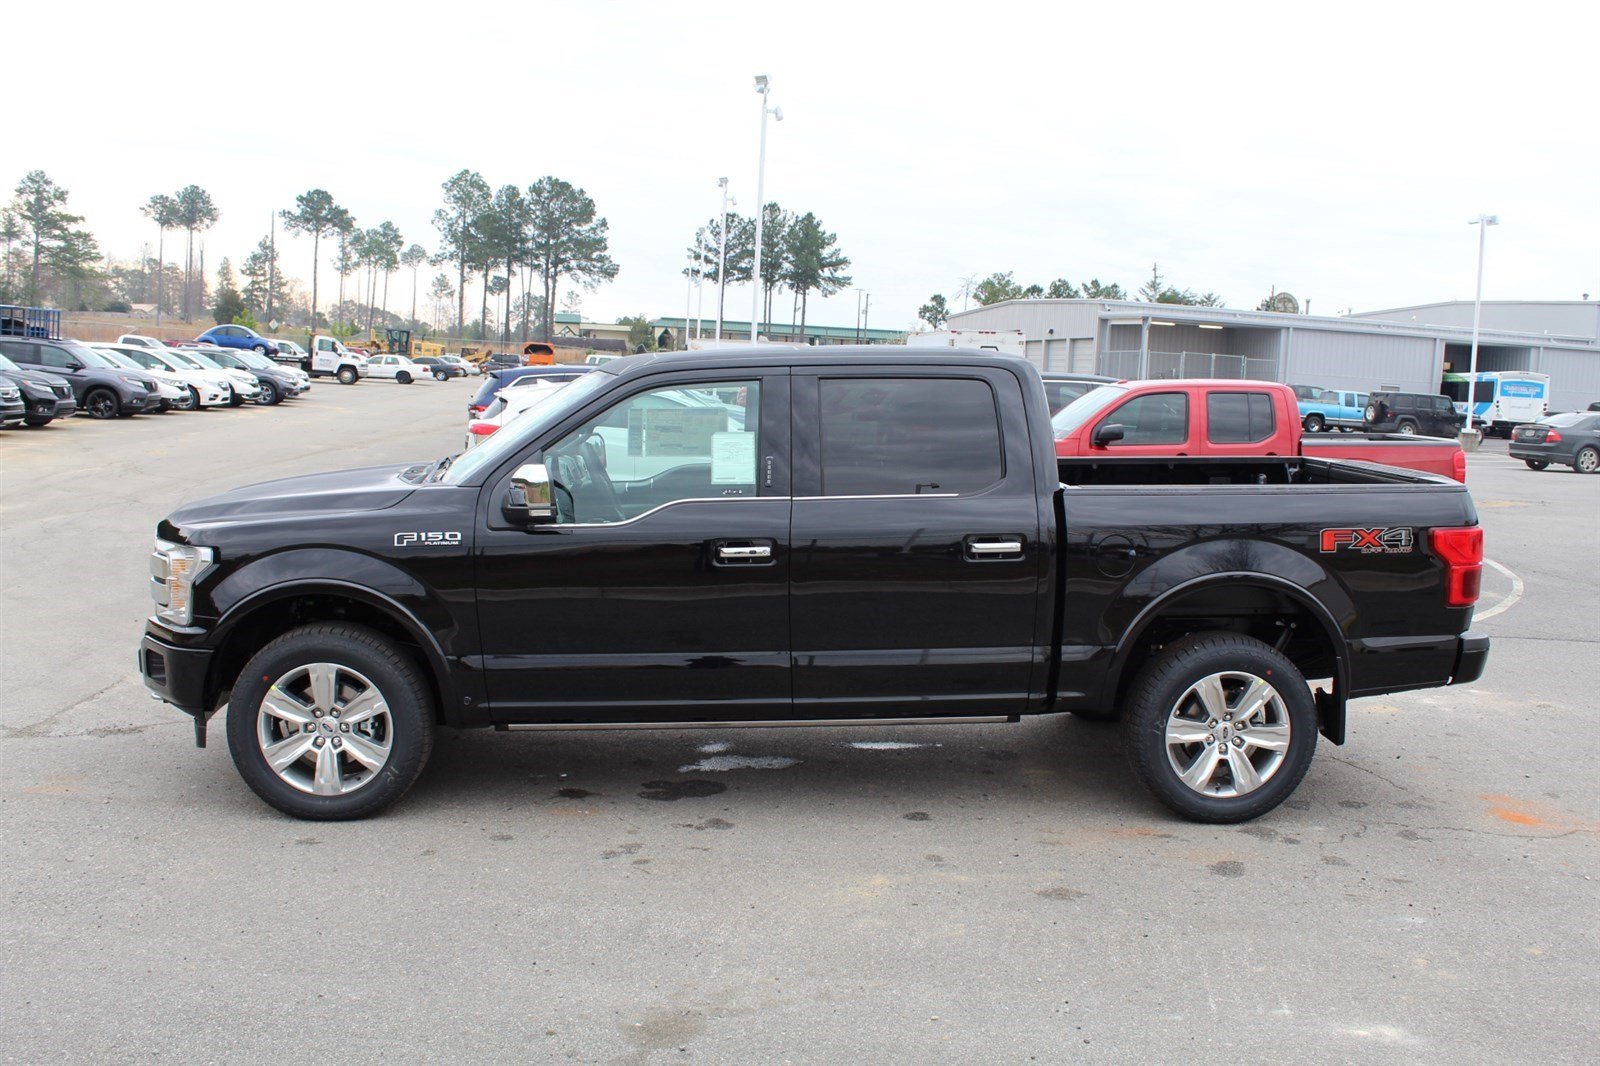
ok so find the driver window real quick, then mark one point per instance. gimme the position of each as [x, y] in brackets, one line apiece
[678, 442]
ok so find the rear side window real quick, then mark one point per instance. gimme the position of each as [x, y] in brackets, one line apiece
[1156, 418]
[1442, 403]
[908, 436]
[1238, 417]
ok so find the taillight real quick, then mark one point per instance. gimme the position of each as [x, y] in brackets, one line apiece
[1458, 466]
[1461, 549]
[1552, 437]
[482, 429]
[476, 408]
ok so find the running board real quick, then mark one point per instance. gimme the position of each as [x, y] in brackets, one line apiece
[781, 724]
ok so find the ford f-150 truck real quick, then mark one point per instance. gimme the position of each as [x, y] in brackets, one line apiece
[1209, 416]
[808, 538]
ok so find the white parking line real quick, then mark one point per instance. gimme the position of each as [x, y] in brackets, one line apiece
[1511, 598]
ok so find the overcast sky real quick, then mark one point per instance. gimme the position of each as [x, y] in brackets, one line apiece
[1333, 150]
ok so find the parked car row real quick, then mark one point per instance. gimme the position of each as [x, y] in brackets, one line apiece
[58, 377]
[1570, 439]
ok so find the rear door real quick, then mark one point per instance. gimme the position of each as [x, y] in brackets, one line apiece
[917, 562]
[1241, 422]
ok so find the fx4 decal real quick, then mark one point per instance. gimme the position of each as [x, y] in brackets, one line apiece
[427, 540]
[1395, 540]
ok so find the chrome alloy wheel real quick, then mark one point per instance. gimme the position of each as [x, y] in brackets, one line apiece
[1228, 734]
[324, 729]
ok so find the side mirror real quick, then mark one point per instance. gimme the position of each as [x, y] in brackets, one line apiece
[73, 364]
[1109, 434]
[528, 501]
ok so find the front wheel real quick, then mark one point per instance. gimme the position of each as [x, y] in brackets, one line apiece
[1314, 423]
[234, 399]
[347, 375]
[1221, 727]
[330, 722]
[188, 401]
[403, 378]
[1407, 429]
[1588, 461]
[1537, 464]
[101, 403]
[269, 394]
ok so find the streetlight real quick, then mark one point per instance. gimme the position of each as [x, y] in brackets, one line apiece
[763, 86]
[722, 251]
[1483, 222]
[861, 319]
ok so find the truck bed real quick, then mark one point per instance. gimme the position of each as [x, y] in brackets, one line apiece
[1252, 470]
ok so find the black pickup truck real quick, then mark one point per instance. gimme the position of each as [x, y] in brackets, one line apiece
[864, 534]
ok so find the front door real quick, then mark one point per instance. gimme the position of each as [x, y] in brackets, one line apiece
[661, 593]
[917, 555]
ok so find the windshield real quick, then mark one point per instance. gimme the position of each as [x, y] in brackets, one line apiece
[1083, 410]
[524, 428]
[148, 362]
[256, 360]
[91, 357]
[202, 360]
[7, 364]
[118, 359]
[183, 359]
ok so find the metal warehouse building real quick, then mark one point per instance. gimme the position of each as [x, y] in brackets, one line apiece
[1406, 348]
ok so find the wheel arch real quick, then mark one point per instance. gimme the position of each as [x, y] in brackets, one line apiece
[1255, 604]
[257, 619]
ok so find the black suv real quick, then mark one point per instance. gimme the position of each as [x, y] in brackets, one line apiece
[1412, 413]
[101, 388]
[44, 396]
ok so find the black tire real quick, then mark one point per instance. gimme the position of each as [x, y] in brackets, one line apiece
[440, 375]
[1537, 464]
[1372, 412]
[234, 399]
[101, 404]
[260, 349]
[348, 376]
[191, 400]
[269, 394]
[403, 378]
[1164, 682]
[1407, 428]
[1587, 460]
[1314, 423]
[398, 680]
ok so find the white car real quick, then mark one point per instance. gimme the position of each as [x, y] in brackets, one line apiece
[174, 394]
[509, 404]
[469, 368]
[398, 368]
[243, 384]
[291, 354]
[207, 388]
[138, 340]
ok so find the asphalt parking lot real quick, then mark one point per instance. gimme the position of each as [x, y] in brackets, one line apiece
[994, 893]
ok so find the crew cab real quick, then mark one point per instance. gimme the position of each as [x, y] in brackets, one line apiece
[1331, 409]
[860, 535]
[1216, 417]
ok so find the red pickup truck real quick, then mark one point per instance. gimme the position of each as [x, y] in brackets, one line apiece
[1228, 418]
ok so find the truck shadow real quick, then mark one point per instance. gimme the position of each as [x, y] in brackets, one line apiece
[1051, 760]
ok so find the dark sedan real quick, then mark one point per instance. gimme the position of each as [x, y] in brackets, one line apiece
[442, 370]
[1566, 439]
[44, 396]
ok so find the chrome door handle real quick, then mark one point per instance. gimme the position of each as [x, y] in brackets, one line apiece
[995, 547]
[744, 551]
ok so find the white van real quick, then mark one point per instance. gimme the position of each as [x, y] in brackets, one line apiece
[1501, 399]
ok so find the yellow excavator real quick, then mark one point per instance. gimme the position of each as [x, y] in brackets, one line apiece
[400, 342]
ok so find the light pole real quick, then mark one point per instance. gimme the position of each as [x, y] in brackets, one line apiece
[1483, 222]
[722, 251]
[763, 86]
[859, 321]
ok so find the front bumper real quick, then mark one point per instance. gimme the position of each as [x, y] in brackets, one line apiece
[1472, 656]
[141, 405]
[176, 675]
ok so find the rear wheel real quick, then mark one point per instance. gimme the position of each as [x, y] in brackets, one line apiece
[101, 403]
[1407, 428]
[330, 722]
[440, 375]
[1537, 464]
[1588, 461]
[1314, 423]
[347, 375]
[1221, 727]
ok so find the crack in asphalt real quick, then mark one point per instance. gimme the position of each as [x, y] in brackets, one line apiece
[1366, 770]
[38, 729]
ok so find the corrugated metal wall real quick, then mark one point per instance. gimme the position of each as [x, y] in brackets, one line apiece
[1360, 361]
[1574, 377]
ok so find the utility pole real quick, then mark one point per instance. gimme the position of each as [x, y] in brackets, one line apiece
[1483, 222]
[722, 254]
[272, 266]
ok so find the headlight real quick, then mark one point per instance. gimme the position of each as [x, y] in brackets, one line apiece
[174, 569]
